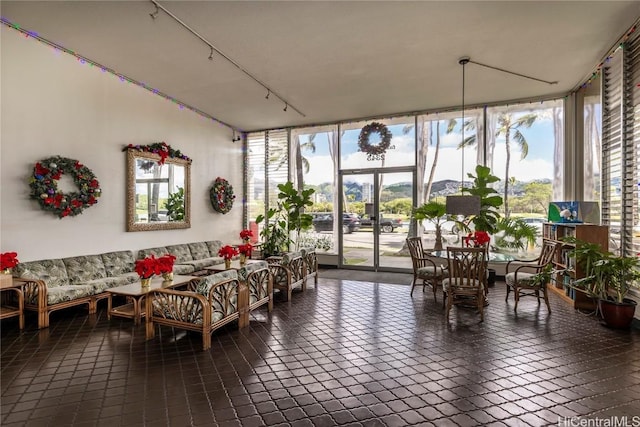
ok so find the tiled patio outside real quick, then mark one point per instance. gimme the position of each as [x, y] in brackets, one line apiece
[344, 353]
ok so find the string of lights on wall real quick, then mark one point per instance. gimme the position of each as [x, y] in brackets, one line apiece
[86, 61]
[608, 58]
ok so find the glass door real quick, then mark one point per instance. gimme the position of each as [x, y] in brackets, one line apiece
[375, 213]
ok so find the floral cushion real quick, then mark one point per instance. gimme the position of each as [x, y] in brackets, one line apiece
[64, 293]
[84, 268]
[289, 256]
[118, 263]
[214, 246]
[157, 252]
[184, 269]
[199, 250]
[199, 264]
[243, 272]
[429, 272]
[101, 285]
[181, 252]
[206, 282]
[524, 279]
[52, 271]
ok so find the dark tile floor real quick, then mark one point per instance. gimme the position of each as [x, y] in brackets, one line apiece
[346, 353]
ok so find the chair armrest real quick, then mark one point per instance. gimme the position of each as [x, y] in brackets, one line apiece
[279, 272]
[181, 306]
[522, 263]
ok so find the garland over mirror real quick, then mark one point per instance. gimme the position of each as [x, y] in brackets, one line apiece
[158, 188]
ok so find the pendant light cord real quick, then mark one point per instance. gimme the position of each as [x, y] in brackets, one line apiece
[463, 61]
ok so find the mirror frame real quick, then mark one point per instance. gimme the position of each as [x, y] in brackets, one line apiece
[132, 155]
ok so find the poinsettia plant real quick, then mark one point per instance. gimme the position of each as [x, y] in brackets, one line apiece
[246, 234]
[227, 252]
[8, 260]
[245, 249]
[165, 263]
[147, 267]
[477, 238]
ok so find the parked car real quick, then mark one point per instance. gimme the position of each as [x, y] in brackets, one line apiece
[446, 226]
[536, 222]
[386, 224]
[324, 222]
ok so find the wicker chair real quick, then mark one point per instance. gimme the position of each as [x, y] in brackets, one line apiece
[522, 279]
[259, 282]
[424, 268]
[210, 303]
[288, 273]
[467, 278]
[310, 259]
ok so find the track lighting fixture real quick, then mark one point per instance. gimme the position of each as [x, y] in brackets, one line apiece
[235, 137]
[160, 7]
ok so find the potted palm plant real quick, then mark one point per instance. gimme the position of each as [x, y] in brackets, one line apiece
[608, 278]
[434, 212]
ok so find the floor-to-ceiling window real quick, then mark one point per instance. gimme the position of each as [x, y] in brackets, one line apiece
[525, 150]
[314, 164]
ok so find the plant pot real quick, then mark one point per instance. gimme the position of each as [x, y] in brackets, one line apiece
[227, 264]
[243, 259]
[618, 315]
[167, 277]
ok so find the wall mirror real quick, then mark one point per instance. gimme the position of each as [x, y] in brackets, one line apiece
[158, 195]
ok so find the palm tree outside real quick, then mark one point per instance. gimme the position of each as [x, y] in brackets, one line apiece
[510, 127]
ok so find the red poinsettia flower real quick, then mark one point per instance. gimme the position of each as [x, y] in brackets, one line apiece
[57, 175]
[477, 238]
[165, 263]
[227, 252]
[245, 234]
[8, 260]
[245, 249]
[147, 267]
[78, 165]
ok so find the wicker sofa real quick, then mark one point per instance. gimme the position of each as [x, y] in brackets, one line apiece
[66, 282]
[61, 283]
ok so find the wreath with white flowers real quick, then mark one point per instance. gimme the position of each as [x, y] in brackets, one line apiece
[375, 152]
[221, 195]
[44, 186]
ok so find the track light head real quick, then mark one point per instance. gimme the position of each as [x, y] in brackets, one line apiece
[211, 55]
[285, 107]
[268, 93]
[154, 14]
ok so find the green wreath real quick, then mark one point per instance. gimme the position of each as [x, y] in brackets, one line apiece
[44, 186]
[374, 152]
[221, 195]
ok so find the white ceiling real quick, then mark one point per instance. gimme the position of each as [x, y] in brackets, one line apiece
[336, 61]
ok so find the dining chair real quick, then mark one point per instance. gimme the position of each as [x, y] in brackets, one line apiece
[524, 280]
[424, 268]
[467, 268]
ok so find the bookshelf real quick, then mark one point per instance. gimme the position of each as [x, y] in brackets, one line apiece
[556, 232]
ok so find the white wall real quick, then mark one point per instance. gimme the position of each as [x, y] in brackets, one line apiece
[51, 104]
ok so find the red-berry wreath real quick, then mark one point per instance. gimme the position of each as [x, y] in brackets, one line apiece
[44, 186]
[221, 195]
